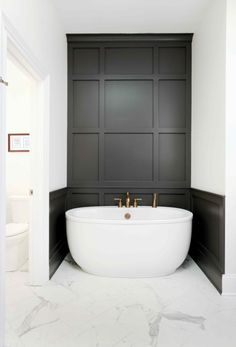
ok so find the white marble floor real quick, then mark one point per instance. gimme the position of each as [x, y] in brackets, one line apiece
[76, 309]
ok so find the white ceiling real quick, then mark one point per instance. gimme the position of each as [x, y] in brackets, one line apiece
[130, 16]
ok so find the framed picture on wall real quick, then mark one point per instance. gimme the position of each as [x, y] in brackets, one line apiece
[19, 142]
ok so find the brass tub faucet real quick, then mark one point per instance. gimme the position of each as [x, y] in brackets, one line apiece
[127, 201]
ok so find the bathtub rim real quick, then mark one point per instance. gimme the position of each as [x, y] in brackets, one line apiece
[86, 220]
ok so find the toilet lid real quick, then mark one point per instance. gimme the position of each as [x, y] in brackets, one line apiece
[13, 229]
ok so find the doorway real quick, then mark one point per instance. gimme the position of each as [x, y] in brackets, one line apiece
[38, 166]
[20, 116]
[11, 44]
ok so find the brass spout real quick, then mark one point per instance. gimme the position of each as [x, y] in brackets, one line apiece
[127, 200]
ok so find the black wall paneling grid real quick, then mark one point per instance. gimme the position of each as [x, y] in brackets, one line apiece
[129, 117]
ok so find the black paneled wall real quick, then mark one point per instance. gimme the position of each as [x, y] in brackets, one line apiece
[58, 247]
[129, 118]
[208, 236]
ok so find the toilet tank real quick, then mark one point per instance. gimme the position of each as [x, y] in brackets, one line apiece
[19, 207]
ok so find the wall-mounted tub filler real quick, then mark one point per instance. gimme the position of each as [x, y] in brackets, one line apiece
[129, 242]
[136, 200]
[17, 233]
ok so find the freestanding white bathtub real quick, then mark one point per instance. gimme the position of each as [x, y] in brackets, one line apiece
[152, 242]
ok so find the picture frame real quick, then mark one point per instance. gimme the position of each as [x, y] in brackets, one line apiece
[19, 142]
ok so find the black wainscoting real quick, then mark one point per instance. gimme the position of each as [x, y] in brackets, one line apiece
[208, 239]
[58, 247]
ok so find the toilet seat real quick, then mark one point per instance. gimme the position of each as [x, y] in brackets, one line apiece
[13, 229]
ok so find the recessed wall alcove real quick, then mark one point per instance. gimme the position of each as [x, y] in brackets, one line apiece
[129, 129]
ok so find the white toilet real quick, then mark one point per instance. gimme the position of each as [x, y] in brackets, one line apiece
[17, 233]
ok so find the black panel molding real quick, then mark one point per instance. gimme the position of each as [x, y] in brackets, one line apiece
[129, 113]
[208, 239]
[58, 247]
[129, 37]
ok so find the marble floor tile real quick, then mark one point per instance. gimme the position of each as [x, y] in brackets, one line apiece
[76, 309]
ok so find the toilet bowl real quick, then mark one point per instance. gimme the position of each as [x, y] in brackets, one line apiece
[17, 233]
[16, 245]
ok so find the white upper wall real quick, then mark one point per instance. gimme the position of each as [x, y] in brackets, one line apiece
[208, 100]
[131, 16]
[230, 210]
[38, 23]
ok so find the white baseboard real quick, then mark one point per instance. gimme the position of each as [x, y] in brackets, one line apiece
[229, 284]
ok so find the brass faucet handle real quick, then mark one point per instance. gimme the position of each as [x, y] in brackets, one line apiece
[154, 200]
[136, 201]
[119, 201]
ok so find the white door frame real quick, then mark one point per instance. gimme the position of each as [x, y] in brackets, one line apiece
[10, 41]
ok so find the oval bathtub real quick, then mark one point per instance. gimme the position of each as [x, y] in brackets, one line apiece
[152, 242]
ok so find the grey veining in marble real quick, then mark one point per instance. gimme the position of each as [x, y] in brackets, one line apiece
[76, 309]
[27, 323]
